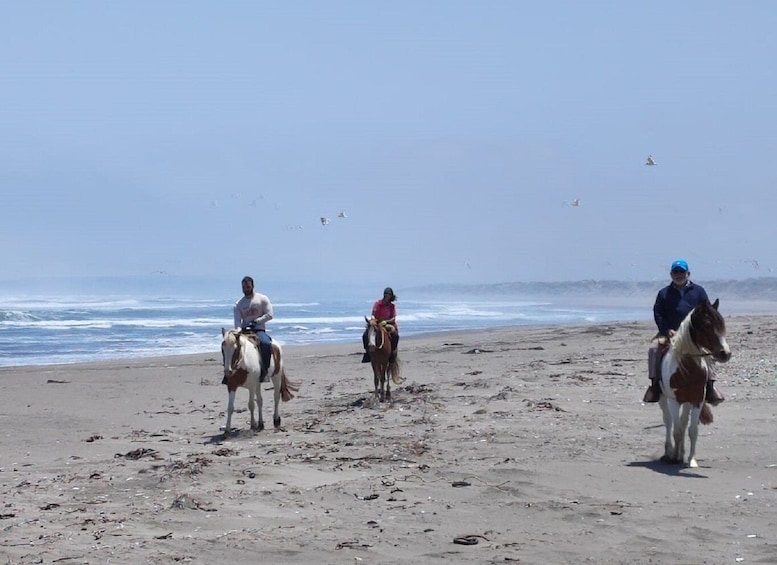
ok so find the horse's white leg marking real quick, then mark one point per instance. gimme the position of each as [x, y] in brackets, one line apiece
[679, 432]
[693, 433]
[230, 409]
[667, 427]
[252, 387]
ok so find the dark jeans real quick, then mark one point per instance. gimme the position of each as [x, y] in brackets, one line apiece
[265, 348]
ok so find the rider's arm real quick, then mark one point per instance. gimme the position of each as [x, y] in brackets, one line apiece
[658, 314]
[267, 316]
[238, 317]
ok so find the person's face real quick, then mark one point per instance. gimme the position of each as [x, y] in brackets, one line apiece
[386, 297]
[680, 277]
[248, 288]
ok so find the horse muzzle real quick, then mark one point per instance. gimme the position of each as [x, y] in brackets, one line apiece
[722, 356]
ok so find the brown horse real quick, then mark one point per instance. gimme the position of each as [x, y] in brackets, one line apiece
[700, 340]
[384, 370]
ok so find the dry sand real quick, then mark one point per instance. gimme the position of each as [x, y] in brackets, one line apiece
[531, 441]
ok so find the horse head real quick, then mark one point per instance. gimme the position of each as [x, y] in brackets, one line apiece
[230, 351]
[709, 330]
[375, 334]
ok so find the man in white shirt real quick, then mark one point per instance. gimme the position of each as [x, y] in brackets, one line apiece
[252, 312]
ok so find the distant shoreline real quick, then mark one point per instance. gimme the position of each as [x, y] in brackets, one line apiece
[352, 347]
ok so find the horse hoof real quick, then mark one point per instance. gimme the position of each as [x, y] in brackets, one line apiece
[276, 422]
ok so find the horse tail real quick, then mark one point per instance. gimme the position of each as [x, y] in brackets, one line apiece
[288, 387]
[395, 370]
[277, 357]
[705, 416]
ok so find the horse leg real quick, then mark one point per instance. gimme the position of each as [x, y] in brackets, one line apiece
[668, 446]
[693, 434]
[376, 379]
[387, 378]
[230, 409]
[276, 387]
[259, 405]
[681, 426]
[251, 402]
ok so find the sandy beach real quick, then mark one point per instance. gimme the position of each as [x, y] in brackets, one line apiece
[524, 445]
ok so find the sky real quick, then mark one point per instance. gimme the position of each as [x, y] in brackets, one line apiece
[463, 141]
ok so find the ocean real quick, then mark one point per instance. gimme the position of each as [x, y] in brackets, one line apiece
[99, 320]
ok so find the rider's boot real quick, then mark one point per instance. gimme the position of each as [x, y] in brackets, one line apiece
[712, 396]
[366, 357]
[653, 392]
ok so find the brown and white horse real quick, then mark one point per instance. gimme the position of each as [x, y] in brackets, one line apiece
[242, 367]
[384, 370]
[684, 372]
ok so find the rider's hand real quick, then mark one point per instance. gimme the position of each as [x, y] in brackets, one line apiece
[384, 323]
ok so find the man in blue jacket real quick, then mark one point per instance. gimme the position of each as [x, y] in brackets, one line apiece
[673, 303]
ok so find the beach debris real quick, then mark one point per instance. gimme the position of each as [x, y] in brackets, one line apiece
[477, 351]
[458, 484]
[95, 437]
[50, 506]
[469, 539]
[542, 405]
[139, 453]
[367, 497]
[185, 501]
[168, 535]
[650, 161]
[56, 382]
[351, 544]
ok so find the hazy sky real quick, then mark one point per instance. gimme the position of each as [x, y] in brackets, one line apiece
[202, 138]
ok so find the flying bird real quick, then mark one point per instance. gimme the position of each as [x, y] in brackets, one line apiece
[651, 161]
[342, 215]
[575, 202]
[324, 221]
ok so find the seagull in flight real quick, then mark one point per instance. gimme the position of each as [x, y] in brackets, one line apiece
[324, 221]
[651, 161]
[342, 215]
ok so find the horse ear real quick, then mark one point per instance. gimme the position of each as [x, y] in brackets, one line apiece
[716, 303]
[223, 332]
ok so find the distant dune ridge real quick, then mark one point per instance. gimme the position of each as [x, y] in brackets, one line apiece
[755, 289]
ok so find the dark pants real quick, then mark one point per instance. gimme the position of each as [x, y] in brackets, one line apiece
[265, 348]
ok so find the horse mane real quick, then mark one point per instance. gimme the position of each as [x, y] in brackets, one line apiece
[683, 345]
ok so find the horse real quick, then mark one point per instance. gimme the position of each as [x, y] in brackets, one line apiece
[684, 372]
[384, 369]
[243, 367]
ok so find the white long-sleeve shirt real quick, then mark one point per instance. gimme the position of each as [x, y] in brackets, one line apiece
[256, 308]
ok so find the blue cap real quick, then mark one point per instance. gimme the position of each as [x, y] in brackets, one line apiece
[680, 265]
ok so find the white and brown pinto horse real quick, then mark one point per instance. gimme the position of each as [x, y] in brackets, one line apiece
[384, 369]
[700, 340]
[243, 367]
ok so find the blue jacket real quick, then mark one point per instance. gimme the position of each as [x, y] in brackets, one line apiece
[673, 305]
